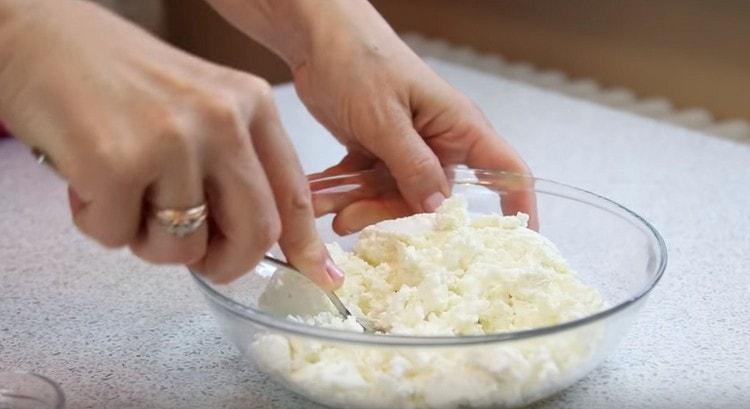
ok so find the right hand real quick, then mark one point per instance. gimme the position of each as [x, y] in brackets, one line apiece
[133, 124]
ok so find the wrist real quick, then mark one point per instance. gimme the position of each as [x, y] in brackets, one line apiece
[13, 16]
[346, 30]
[12, 11]
[303, 30]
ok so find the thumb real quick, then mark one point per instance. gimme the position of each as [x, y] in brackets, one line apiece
[419, 175]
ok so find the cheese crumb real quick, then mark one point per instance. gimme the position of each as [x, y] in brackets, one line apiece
[444, 274]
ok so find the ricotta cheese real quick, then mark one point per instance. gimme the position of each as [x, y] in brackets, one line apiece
[441, 274]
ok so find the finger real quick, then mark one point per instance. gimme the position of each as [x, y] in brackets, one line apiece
[180, 187]
[363, 213]
[333, 193]
[111, 216]
[489, 151]
[415, 167]
[332, 179]
[299, 239]
[245, 222]
[327, 203]
[352, 162]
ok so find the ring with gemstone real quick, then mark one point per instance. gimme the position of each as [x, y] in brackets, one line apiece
[182, 222]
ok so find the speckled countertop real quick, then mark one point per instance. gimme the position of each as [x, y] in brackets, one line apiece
[117, 333]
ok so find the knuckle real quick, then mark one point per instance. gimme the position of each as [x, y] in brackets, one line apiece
[420, 166]
[223, 115]
[300, 200]
[248, 83]
[107, 239]
[261, 86]
[251, 95]
[168, 124]
[219, 111]
[172, 136]
[269, 231]
[263, 93]
[112, 161]
[125, 171]
[176, 145]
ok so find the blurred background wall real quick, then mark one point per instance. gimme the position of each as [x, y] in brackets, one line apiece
[693, 52]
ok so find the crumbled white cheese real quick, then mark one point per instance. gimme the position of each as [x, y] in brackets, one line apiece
[443, 274]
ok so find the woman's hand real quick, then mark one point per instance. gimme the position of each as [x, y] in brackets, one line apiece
[382, 102]
[388, 108]
[134, 125]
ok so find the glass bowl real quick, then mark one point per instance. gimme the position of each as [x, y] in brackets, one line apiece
[27, 390]
[613, 250]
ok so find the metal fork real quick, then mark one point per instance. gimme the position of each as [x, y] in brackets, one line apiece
[367, 324]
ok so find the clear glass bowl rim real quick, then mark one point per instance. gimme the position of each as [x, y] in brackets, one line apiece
[59, 394]
[259, 317]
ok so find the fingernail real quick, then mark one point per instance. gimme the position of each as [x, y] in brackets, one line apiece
[433, 201]
[334, 273]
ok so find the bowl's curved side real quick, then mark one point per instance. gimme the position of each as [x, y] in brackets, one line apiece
[510, 369]
[484, 179]
[508, 374]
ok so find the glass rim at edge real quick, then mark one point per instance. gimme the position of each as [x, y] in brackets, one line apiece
[59, 394]
[259, 317]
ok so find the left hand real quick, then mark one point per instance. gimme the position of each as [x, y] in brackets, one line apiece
[381, 101]
[389, 108]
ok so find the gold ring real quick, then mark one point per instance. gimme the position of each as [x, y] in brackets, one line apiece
[182, 222]
[179, 222]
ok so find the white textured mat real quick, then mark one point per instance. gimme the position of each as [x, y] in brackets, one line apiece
[119, 334]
